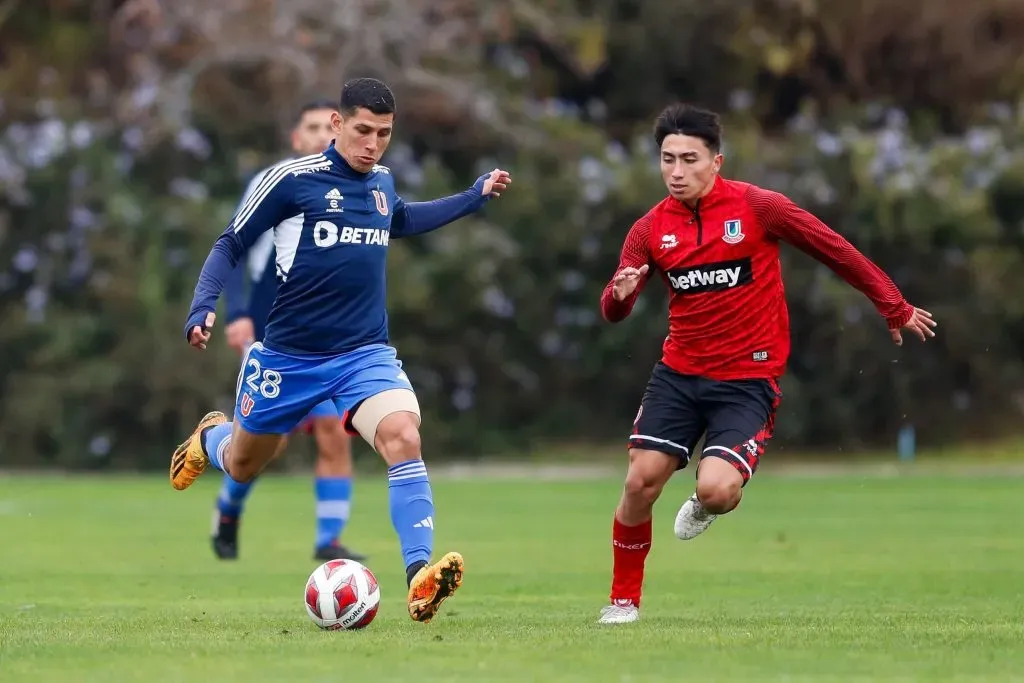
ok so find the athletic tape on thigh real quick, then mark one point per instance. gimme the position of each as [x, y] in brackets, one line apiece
[379, 406]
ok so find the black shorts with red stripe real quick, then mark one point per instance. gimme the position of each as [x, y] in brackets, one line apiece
[736, 418]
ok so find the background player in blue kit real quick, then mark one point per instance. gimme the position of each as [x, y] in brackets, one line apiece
[249, 295]
[327, 333]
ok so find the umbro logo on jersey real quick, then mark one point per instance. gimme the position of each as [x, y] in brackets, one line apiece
[711, 277]
[334, 197]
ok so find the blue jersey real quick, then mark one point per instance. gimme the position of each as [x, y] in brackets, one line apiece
[332, 226]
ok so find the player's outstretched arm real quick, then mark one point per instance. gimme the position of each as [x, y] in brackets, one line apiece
[788, 222]
[634, 270]
[268, 205]
[417, 218]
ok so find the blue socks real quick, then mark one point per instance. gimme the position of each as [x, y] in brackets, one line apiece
[215, 443]
[333, 501]
[412, 510]
[232, 497]
[232, 493]
[333, 496]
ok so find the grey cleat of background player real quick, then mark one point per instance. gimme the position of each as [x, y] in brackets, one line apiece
[692, 519]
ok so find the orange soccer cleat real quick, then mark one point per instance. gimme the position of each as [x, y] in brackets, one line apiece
[432, 585]
[189, 459]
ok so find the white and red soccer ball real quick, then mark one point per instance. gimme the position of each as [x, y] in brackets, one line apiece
[342, 594]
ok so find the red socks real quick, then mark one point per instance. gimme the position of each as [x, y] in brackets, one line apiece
[630, 545]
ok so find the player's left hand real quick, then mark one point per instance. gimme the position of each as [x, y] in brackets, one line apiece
[920, 323]
[497, 182]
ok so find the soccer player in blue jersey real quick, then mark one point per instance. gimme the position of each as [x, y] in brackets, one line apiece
[327, 333]
[249, 295]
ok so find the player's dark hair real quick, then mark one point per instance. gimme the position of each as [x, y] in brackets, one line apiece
[367, 93]
[686, 119]
[314, 105]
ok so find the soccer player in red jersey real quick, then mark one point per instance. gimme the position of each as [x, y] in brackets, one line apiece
[715, 244]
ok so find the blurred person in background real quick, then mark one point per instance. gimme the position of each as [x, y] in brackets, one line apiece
[249, 296]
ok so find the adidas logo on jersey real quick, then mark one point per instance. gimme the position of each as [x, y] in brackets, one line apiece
[327, 234]
[711, 277]
[334, 198]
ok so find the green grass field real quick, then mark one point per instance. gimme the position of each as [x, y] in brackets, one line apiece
[811, 579]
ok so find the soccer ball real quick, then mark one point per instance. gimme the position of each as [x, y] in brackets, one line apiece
[342, 594]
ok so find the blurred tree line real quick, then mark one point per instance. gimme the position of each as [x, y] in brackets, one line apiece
[127, 128]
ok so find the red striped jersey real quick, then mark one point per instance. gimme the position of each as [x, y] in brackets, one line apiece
[720, 261]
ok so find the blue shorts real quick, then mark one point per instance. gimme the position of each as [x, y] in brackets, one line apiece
[276, 391]
[322, 409]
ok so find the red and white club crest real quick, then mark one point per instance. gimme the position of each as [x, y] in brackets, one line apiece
[245, 405]
[381, 200]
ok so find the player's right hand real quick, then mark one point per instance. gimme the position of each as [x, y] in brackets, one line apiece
[200, 334]
[626, 280]
[240, 334]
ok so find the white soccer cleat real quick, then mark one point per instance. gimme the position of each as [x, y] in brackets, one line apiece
[692, 519]
[619, 612]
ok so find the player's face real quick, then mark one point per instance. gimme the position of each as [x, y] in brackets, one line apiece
[688, 167]
[313, 133]
[363, 137]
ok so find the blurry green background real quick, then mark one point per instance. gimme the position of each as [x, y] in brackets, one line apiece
[128, 129]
